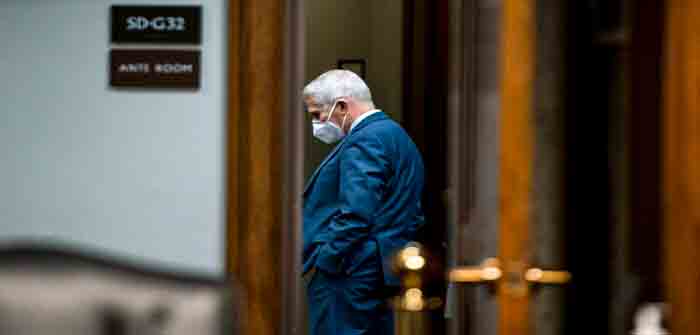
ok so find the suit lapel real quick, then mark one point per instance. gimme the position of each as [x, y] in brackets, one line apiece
[320, 167]
[363, 123]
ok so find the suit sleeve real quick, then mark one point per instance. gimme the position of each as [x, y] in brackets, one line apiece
[364, 167]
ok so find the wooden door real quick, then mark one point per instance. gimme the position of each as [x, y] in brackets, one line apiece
[681, 167]
[506, 166]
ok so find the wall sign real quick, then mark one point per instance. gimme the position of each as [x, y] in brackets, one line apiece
[359, 66]
[157, 24]
[154, 68]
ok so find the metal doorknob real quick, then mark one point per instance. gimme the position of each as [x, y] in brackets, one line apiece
[489, 272]
[547, 277]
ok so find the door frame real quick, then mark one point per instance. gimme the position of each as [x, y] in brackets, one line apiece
[680, 169]
[265, 174]
[265, 141]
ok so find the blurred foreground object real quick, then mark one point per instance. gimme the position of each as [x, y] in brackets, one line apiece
[412, 306]
[58, 291]
[648, 320]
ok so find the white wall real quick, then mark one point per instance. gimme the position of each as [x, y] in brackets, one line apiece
[135, 173]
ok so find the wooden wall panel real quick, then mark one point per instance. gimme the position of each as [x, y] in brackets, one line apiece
[517, 157]
[681, 164]
[254, 238]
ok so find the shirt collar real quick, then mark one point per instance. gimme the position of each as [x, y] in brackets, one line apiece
[362, 117]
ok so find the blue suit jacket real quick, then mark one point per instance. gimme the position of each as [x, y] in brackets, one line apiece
[368, 189]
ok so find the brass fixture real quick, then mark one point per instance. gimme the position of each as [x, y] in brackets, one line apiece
[517, 278]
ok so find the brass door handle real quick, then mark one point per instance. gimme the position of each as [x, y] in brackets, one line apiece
[547, 277]
[489, 272]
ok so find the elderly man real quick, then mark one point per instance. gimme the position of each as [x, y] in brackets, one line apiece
[361, 205]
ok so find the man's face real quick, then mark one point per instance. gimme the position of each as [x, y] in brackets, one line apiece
[320, 113]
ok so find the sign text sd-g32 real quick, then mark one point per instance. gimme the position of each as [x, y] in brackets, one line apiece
[157, 24]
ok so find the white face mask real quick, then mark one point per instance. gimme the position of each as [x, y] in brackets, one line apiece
[327, 131]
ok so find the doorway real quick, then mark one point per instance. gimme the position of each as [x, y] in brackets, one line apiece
[391, 44]
[527, 106]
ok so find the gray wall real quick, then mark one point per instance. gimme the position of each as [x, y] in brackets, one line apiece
[135, 173]
[386, 55]
[366, 29]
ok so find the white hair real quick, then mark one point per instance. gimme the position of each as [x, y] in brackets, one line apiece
[335, 84]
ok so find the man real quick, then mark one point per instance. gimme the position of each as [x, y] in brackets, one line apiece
[360, 206]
